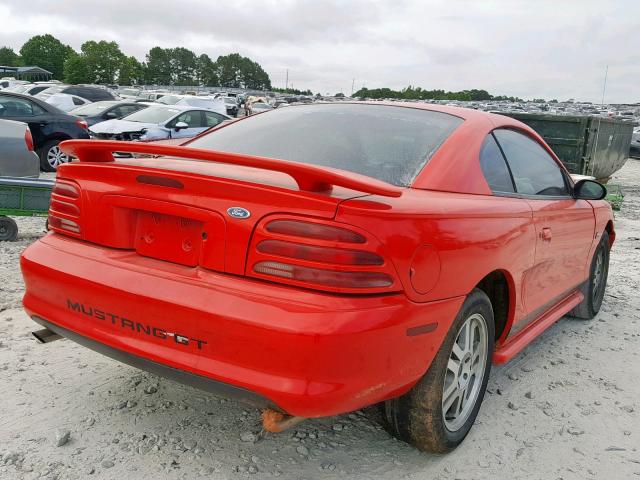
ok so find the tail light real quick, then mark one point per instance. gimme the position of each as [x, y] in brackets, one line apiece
[28, 139]
[64, 210]
[82, 124]
[321, 256]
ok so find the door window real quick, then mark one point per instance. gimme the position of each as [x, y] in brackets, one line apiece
[534, 171]
[17, 107]
[494, 167]
[193, 119]
[212, 119]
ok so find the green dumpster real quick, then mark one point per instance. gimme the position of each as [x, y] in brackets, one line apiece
[587, 145]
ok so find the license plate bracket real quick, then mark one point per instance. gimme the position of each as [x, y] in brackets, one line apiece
[168, 237]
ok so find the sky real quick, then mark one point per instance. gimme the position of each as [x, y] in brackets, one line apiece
[530, 49]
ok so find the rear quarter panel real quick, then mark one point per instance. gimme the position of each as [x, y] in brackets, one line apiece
[472, 235]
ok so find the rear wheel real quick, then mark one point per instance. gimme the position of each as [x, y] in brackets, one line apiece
[438, 412]
[51, 157]
[593, 289]
[8, 229]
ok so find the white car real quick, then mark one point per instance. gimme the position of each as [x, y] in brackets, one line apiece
[210, 103]
[158, 122]
[66, 102]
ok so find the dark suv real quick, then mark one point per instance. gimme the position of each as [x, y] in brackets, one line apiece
[49, 126]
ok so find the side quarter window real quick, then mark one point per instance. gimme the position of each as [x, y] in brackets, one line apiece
[494, 167]
[534, 171]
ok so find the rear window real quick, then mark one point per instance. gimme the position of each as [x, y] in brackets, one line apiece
[385, 142]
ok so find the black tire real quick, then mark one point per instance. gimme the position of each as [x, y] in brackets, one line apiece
[417, 417]
[43, 154]
[8, 229]
[593, 289]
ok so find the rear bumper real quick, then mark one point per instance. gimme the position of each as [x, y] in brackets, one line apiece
[308, 353]
[198, 381]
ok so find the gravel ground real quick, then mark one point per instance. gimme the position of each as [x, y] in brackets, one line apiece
[566, 408]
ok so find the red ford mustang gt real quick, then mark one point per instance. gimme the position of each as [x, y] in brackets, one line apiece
[321, 258]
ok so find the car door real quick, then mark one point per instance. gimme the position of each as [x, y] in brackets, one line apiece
[195, 124]
[564, 226]
[24, 110]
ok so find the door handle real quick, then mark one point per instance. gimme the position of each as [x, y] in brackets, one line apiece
[545, 234]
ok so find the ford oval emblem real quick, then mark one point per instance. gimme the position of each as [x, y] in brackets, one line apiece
[238, 212]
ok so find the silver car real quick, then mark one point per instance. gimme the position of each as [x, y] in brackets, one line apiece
[17, 158]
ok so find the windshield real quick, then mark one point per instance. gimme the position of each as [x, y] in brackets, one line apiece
[385, 142]
[91, 109]
[169, 99]
[152, 115]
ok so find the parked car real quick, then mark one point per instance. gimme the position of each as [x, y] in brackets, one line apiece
[260, 107]
[210, 103]
[231, 105]
[17, 158]
[324, 258]
[108, 110]
[129, 92]
[66, 102]
[9, 82]
[152, 95]
[91, 93]
[31, 88]
[49, 126]
[158, 122]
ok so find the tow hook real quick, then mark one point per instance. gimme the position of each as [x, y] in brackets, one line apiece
[45, 335]
[276, 422]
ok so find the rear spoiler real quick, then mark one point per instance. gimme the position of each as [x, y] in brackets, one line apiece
[308, 177]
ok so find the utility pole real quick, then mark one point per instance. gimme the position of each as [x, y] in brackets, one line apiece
[604, 87]
[353, 82]
[286, 82]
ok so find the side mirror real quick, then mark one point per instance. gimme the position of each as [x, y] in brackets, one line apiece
[589, 190]
[111, 115]
[181, 125]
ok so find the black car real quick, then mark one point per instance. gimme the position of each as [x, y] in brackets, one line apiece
[49, 126]
[94, 94]
[97, 112]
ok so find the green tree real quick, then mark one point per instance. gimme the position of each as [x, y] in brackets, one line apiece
[47, 52]
[75, 69]
[9, 58]
[236, 71]
[131, 71]
[184, 66]
[206, 71]
[103, 60]
[417, 93]
[157, 70]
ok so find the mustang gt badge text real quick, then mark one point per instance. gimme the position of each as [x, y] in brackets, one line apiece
[136, 327]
